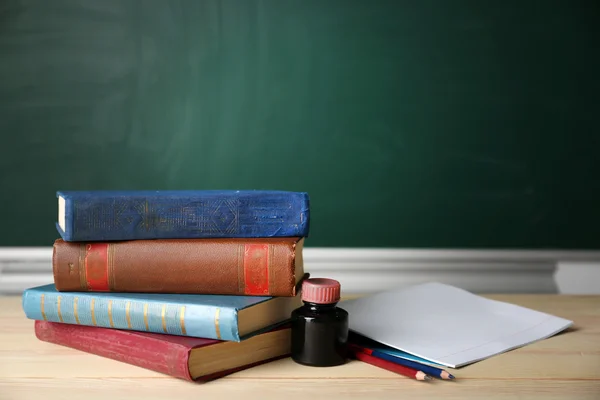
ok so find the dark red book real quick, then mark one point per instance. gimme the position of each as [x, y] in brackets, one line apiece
[188, 358]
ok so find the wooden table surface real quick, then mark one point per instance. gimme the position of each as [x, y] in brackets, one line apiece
[564, 366]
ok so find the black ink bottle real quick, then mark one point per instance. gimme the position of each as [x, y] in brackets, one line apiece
[319, 327]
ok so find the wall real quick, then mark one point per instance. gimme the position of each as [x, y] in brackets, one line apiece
[578, 278]
[414, 124]
[426, 124]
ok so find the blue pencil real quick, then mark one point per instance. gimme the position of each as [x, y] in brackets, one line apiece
[429, 370]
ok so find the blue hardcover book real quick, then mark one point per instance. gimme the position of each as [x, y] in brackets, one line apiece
[227, 318]
[136, 215]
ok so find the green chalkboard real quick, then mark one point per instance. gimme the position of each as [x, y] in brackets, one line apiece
[439, 123]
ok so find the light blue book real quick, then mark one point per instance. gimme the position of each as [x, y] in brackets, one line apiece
[228, 318]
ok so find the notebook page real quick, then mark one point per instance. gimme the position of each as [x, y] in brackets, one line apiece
[447, 325]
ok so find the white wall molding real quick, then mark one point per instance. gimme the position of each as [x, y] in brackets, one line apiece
[483, 271]
[369, 270]
[23, 267]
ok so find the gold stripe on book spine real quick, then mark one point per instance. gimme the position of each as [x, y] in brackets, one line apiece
[82, 277]
[110, 320]
[146, 315]
[93, 312]
[217, 327]
[75, 300]
[163, 313]
[58, 298]
[127, 314]
[182, 320]
[42, 298]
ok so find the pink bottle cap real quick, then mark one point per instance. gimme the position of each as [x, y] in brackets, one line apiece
[321, 291]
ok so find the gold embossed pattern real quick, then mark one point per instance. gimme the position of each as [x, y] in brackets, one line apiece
[163, 313]
[128, 314]
[217, 327]
[42, 299]
[93, 311]
[182, 320]
[110, 316]
[146, 316]
[75, 310]
[60, 318]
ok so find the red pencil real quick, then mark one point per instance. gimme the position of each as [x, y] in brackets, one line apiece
[389, 366]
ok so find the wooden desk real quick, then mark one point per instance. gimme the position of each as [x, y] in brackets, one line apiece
[564, 366]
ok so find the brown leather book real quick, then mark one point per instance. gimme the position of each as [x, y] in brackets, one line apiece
[252, 267]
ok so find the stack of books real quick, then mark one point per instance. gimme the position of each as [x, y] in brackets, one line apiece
[193, 284]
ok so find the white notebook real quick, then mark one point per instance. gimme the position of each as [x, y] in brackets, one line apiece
[447, 325]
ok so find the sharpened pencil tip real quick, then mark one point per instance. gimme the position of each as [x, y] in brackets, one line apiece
[422, 376]
[446, 375]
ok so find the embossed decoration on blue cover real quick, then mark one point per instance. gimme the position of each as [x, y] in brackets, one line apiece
[136, 215]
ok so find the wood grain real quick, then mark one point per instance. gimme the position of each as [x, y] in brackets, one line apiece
[564, 366]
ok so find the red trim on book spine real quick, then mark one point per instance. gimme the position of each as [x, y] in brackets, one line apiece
[96, 266]
[256, 269]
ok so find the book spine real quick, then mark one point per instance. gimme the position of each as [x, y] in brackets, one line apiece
[251, 267]
[156, 355]
[90, 218]
[203, 321]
